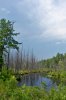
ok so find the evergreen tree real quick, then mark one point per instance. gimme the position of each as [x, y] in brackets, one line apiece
[7, 40]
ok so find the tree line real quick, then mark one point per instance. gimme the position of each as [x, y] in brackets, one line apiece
[56, 62]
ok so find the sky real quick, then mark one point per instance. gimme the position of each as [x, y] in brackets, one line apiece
[41, 24]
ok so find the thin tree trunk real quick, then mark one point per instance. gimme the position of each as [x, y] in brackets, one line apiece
[1, 59]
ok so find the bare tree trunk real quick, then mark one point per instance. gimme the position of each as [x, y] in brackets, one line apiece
[8, 59]
[27, 61]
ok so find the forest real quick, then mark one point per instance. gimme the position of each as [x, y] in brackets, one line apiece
[20, 72]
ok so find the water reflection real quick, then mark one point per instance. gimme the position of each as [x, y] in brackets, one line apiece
[35, 79]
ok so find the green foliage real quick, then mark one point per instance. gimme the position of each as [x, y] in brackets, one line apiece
[59, 76]
[5, 74]
[43, 85]
[6, 34]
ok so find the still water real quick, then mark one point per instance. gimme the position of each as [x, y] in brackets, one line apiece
[36, 79]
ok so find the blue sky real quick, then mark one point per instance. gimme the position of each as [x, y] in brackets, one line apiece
[41, 23]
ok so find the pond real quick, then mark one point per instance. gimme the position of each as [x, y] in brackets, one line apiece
[36, 79]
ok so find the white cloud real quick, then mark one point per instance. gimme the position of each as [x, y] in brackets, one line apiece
[58, 42]
[4, 10]
[61, 42]
[50, 16]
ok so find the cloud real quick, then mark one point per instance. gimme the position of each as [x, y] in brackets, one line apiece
[61, 42]
[58, 42]
[48, 15]
[4, 10]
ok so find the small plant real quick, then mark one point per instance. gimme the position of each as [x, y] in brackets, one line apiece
[43, 85]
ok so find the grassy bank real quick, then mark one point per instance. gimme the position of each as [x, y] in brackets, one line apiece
[39, 70]
[59, 75]
[10, 91]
